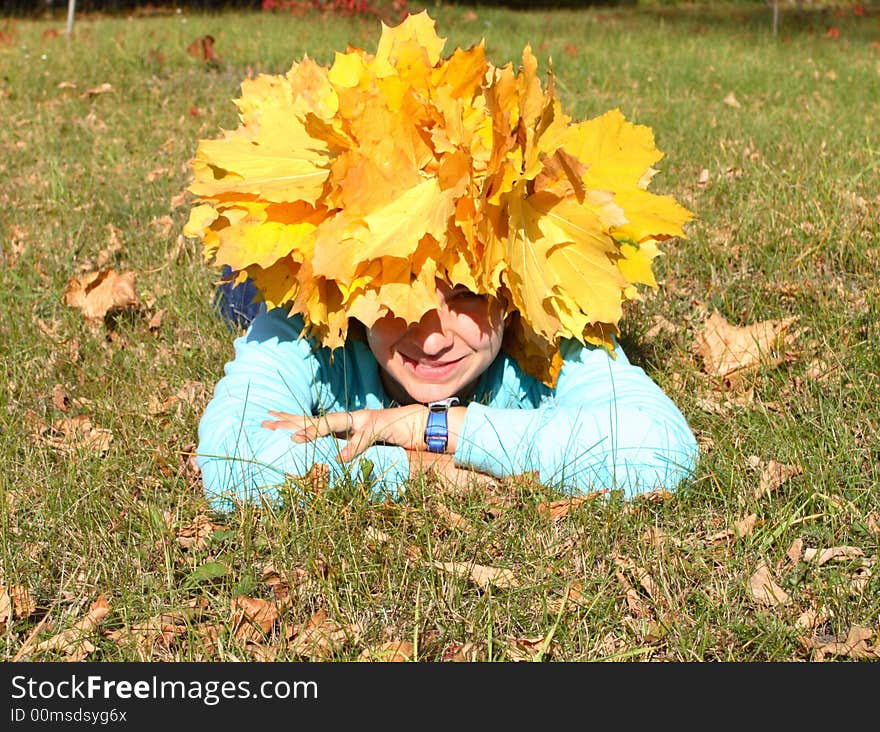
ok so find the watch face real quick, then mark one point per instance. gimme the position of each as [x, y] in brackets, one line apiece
[443, 404]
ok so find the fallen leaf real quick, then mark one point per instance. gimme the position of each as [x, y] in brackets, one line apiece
[728, 350]
[375, 536]
[731, 101]
[23, 603]
[98, 294]
[855, 646]
[703, 179]
[104, 88]
[574, 598]
[557, 510]
[163, 225]
[156, 320]
[813, 617]
[453, 520]
[389, 652]
[60, 398]
[179, 200]
[71, 434]
[764, 590]
[773, 474]
[529, 649]
[196, 534]
[161, 630]
[253, 618]
[833, 32]
[203, 49]
[834, 552]
[795, 551]
[5, 609]
[114, 245]
[740, 529]
[74, 642]
[320, 638]
[463, 652]
[634, 602]
[660, 325]
[157, 173]
[481, 575]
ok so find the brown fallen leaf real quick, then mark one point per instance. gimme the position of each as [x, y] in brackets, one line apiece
[23, 603]
[529, 649]
[639, 574]
[730, 350]
[157, 173]
[388, 652]
[813, 618]
[773, 474]
[376, 537]
[321, 638]
[854, 646]
[637, 606]
[203, 49]
[99, 293]
[557, 510]
[5, 609]
[573, 599]
[104, 88]
[872, 521]
[156, 321]
[114, 245]
[834, 552]
[71, 434]
[163, 225]
[795, 551]
[464, 653]
[196, 534]
[479, 574]
[60, 398]
[453, 520]
[731, 101]
[74, 642]
[740, 529]
[764, 590]
[160, 631]
[252, 618]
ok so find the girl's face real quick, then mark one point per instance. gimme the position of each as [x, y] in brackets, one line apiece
[445, 352]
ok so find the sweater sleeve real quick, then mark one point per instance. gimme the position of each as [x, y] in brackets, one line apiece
[607, 426]
[273, 368]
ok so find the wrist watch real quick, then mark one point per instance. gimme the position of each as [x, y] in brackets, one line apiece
[437, 430]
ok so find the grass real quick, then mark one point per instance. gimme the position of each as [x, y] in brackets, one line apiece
[787, 227]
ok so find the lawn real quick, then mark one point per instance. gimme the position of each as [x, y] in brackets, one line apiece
[109, 550]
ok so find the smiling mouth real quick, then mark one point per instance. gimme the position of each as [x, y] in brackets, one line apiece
[429, 369]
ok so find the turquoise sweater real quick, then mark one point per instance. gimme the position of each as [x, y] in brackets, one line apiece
[605, 425]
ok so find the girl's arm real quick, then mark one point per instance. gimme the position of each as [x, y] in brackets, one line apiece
[274, 369]
[608, 426]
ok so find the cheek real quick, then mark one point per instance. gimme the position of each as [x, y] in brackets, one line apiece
[382, 337]
[484, 329]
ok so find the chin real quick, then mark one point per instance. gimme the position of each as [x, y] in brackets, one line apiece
[431, 393]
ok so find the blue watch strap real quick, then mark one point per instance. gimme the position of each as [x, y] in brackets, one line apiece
[437, 429]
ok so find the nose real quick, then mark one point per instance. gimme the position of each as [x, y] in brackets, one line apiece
[433, 334]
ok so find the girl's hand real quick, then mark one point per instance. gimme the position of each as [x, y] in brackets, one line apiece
[403, 426]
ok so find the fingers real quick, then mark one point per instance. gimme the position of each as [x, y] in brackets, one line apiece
[306, 428]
